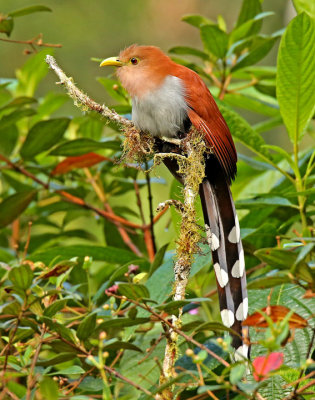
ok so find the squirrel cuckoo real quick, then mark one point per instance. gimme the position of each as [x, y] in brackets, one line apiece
[167, 98]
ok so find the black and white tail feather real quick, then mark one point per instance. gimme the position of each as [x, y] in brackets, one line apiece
[223, 235]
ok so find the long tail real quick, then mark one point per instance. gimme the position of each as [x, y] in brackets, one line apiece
[223, 234]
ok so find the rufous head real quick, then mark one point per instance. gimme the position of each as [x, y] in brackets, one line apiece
[140, 68]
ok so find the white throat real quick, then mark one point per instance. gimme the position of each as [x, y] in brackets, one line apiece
[161, 112]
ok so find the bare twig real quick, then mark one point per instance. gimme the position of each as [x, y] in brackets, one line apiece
[37, 41]
[31, 379]
[150, 200]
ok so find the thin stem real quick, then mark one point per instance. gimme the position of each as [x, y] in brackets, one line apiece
[102, 196]
[146, 232]
[12, 333]
[253, 82]
[150, 200]
[32, 42]
[300, 188]
[31, 380]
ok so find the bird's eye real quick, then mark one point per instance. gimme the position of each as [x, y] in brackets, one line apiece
[134, 61]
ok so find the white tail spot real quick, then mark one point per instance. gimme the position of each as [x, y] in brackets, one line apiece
[241, 353]
[214, 242]
[227, 318]
[239, 266]
[235, 234]
[242, 310]
[221, 275]
[212, 239]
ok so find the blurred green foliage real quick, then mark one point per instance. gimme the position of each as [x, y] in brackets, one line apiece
[72, 243]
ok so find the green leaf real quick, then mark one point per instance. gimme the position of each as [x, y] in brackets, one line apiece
[62, 330]
[249, 9]
[268, 124]
[268, 282]
[98, 253]
[250, 103]
[86, 327]
[6, 24]
[21, 277]
[296, 75]
[189, 51]
[51, 103]
[215, 41]
[257, 53]
[74, 370]
[56, 306]
[19, 102]
[43, 135]
[243, 132]
[277, 258]
[196, 20]
[267, 87]
[12, 206]
[117, 345]
[48, 389]
[271, 200]
[82, 146]
[32, 72]
[122, 323]
[91, 384]
[8, 139]
[307, 6]
[29, 10]
[15, 116]
[244, 30]
[173, 305]
[237, 373]
[284, 154]
[158, 259]
[133, 291]
[213, 326]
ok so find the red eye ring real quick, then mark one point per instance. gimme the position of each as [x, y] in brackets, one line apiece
[134, 61]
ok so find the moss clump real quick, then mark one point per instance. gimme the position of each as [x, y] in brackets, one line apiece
[137, 146]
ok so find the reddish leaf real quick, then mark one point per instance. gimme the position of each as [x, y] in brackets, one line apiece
[264, 364]
[57, 270]
[84, 161]
[309, 294]
[276, 313]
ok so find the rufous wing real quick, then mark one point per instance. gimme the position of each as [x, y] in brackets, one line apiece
[204, 114]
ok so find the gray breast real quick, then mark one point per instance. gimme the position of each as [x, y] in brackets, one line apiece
[163, 111]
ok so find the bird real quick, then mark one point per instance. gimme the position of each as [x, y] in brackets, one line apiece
[167, 100]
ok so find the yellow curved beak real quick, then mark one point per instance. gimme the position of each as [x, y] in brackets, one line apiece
[112, 61]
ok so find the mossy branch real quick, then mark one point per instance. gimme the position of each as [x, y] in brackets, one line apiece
[190, 160]
[192, 170]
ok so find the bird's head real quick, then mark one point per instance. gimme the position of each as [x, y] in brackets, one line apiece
[140, 68]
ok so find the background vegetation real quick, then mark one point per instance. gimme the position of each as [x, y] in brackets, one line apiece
[86, 262]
